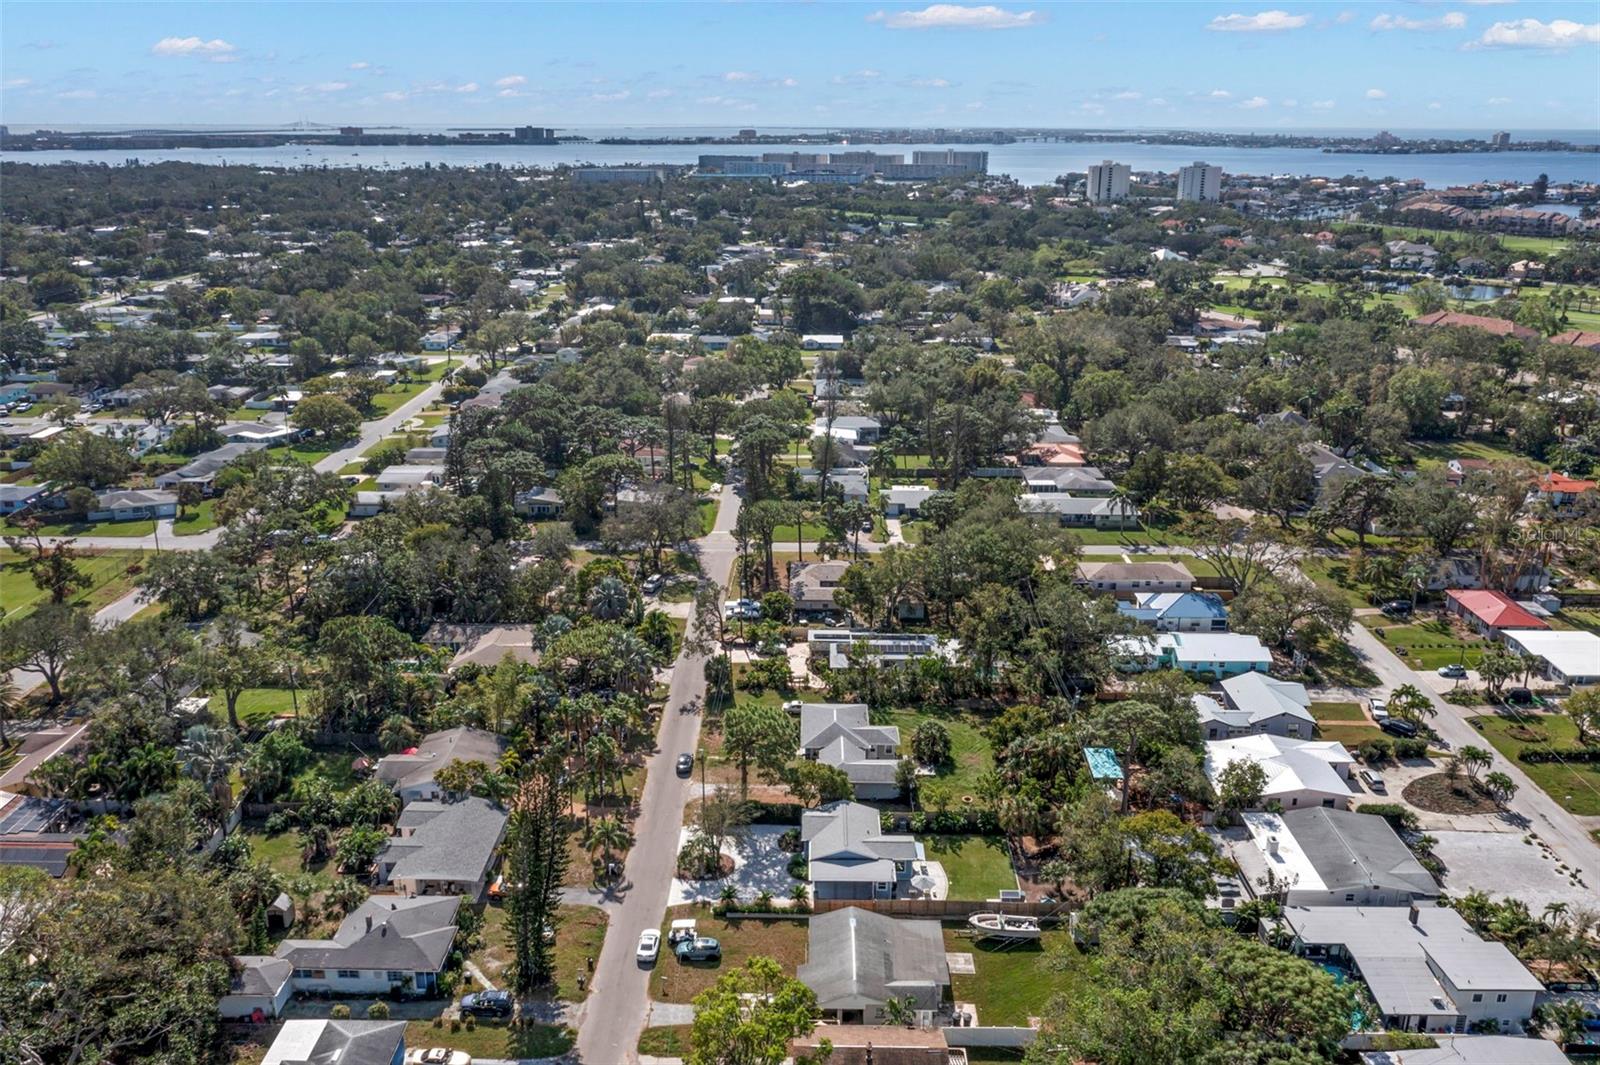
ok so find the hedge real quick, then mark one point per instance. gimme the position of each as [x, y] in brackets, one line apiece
[1567, 754]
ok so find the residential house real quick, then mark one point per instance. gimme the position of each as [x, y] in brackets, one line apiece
[259, 989]
[1423, 965]
[538, 504]
[850, 429]
[1256, 703]
[258, 433]
[1490, 613]
[836, 646]
[484, 645]
[1178, 611]
[904, 500]
[1076, 511]
[1284, 419]
[1320, 856]
[1132, 578]
[322, 1042]
[426, 456]
[878, 1044]
[366, 504]
[386, 943]
[1474, 1050]
[1579, 338]
[441, 339]
[849, 481]
[857, 960]
[1500, 327]
[849, 856]
[840, 735]
[1560, 491]
[133, 504]
[409, 478]
[822, 341]
[812, 584]
[1458, 470]
[1076, 480]
[203, 470]
[443, 848]
[1053, 453]
[1299, 772]
[1330, 470]
[1409, 255]
[15, 498]
[411, 772]
[1570, 656]
[439, 436]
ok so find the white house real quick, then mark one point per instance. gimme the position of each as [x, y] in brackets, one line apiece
[905, 500]
[326, 1042]
[1206, 655]
[133, 504]
[1299, 772]
[822, 341]
[1135, 577]
[1426, 969]
[1568, 656]
[1317, 856]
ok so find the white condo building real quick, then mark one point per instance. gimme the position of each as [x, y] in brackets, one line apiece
[1200, 182]
[1108, 182]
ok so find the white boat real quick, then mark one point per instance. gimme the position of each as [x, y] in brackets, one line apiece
[1003, 926]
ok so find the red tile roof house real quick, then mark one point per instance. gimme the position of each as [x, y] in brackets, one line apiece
[1559, 490]
[1490, 613]
[1578, 338]
[1500, 327]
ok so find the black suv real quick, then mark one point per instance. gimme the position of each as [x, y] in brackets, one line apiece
[1395, 726]
[487, 1004]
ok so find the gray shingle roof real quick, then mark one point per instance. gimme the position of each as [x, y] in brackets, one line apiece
[856, 958]
[320, 1042]
[386, 932]
[440, 749]
[1355, 849]
[450, 841]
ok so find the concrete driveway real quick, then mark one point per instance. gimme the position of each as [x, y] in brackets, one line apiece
[759, 864]
[1507, 864]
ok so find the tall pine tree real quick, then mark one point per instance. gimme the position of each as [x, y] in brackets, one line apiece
[536, 861]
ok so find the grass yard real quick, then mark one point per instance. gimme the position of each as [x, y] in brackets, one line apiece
[1338, 664]
[1017, 982]
[1577, 618]
[281, 852]
[1440, 452]
[1429, 644]
[1333, 575]
[969, 751]
[1576, 786]
[666, 1041]
[197, 519]
[255, 705]
[1344, 723]
[300, 453]
[979, 867]
[580, 930]
[133, 529]
[494, 1039]
[107, 571]
[784, 941]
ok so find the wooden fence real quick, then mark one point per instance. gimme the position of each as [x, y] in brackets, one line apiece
[946, 909]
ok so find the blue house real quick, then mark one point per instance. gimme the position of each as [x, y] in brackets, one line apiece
[1207, 656]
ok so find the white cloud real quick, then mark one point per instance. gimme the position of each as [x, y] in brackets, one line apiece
[1218, 94]
[77, 94]
[957, 17]
[1435, 105]
[1322, 105]
[331, 86]
[510, 81]
[788, 83]
[929, 83]
[16, 83]
[1091, 108]
[1531, 33]
[740, 75]
[1254, 103]
[396, 96]
[1158, 101]
[360, 64]
[1453, 20]
[1263, 22]
[1128, 94]
[1496, 101]
[1345, 16]
[215, 49]
[1377, 94]
[470, 86]
[512, 94]
[610, 97]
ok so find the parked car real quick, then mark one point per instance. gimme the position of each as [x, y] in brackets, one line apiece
[685, 764]
[1396, 727]
[700, 948]
[1519, 697]
[1455, 671]
[681, 929]
[1380, 710]
[487, 1003]
[746, 609]
[1398, 608]
[438, 1056]
[1374, 782]
[649, 946]
[652, 584]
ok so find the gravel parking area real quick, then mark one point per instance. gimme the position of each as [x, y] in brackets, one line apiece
[1502, 864]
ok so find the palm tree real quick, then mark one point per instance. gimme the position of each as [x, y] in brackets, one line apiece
[1410, 704]
[346, 894]
[609, 599]
[607, 835]
[10, 699]
[900, 1011]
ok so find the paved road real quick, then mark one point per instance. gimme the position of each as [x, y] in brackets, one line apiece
[1560, 829]
[111, 614]
[619, 998]
[372, 432]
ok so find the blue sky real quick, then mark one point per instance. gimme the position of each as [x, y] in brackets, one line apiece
[1400, 65]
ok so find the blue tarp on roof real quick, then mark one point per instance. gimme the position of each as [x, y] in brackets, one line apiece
[1103, 764]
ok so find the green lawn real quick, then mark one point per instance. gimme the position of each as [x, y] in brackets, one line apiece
[666, 1040]
[1333, 575]
[1344, 723]
[396, 396]
[197, 519]
[1437, 453]
[1578, 618]
[970, 752]
[493, 1039]
[281, 852]
[978, 866]
[1428, 644]
[1542, 245]
[310, 455]
[1338, 712]
[107, 571]
[580, 930]
[1338, 663]
[256, 704]
[134, 529]
[1575, 785]
[1016, 982]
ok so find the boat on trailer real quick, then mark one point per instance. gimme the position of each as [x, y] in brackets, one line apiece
[1003, 926]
